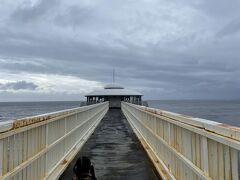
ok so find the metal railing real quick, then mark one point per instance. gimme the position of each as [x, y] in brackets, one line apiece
[183, 147]
[41, 147]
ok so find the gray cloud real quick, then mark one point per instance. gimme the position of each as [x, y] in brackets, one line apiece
[217, 8]
[165, 49]
[19, 85]
[74, 17]
[231, 28]
[26, 13]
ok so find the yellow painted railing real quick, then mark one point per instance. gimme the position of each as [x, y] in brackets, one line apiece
[183, 147]
[41, 147]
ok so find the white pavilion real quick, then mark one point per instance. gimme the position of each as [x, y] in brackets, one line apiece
[114, 93]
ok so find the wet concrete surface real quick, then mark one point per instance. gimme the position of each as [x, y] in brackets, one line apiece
[115, 151]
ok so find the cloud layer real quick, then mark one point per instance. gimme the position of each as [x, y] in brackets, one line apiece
[19, 85]
[166, 50]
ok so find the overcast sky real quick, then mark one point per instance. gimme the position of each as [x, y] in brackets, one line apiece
[166, 49]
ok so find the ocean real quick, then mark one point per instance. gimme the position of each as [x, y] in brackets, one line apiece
[227, 112]
[16, 110]
[224, 111]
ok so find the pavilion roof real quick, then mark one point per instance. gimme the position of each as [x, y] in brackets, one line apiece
[114, 90]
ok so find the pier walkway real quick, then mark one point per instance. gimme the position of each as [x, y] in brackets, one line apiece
[115, 151]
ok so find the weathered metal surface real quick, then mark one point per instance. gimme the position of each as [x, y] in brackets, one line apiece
[115, 151]
[39, 147]
[190, 148]
[216, 127]
[44, 117]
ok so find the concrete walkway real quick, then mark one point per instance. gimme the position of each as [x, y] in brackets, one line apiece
[115, 151]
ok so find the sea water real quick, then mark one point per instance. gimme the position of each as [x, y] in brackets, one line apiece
[227, 112]
[16, 110]
[224, 111]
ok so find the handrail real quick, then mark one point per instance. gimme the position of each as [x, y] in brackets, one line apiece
[41, 147]
[182, 147]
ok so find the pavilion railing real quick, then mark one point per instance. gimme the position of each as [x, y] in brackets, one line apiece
[41, 147]
[183, 147]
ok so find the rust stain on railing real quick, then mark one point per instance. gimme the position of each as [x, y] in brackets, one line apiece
[26, 122]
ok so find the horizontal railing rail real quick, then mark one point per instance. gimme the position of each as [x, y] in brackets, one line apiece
[41, 147]
[182, 147]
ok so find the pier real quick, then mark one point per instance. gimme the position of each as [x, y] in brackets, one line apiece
[150, 142]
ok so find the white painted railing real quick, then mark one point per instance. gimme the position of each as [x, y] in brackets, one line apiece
[183, 147]
[41, 147]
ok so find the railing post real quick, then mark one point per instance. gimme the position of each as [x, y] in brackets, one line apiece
[169, 133]
[234, 163]
[46, 159]
[204, 154]
[1, 157]
[65, 125]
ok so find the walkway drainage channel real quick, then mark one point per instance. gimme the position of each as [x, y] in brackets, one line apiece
[115, 151]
